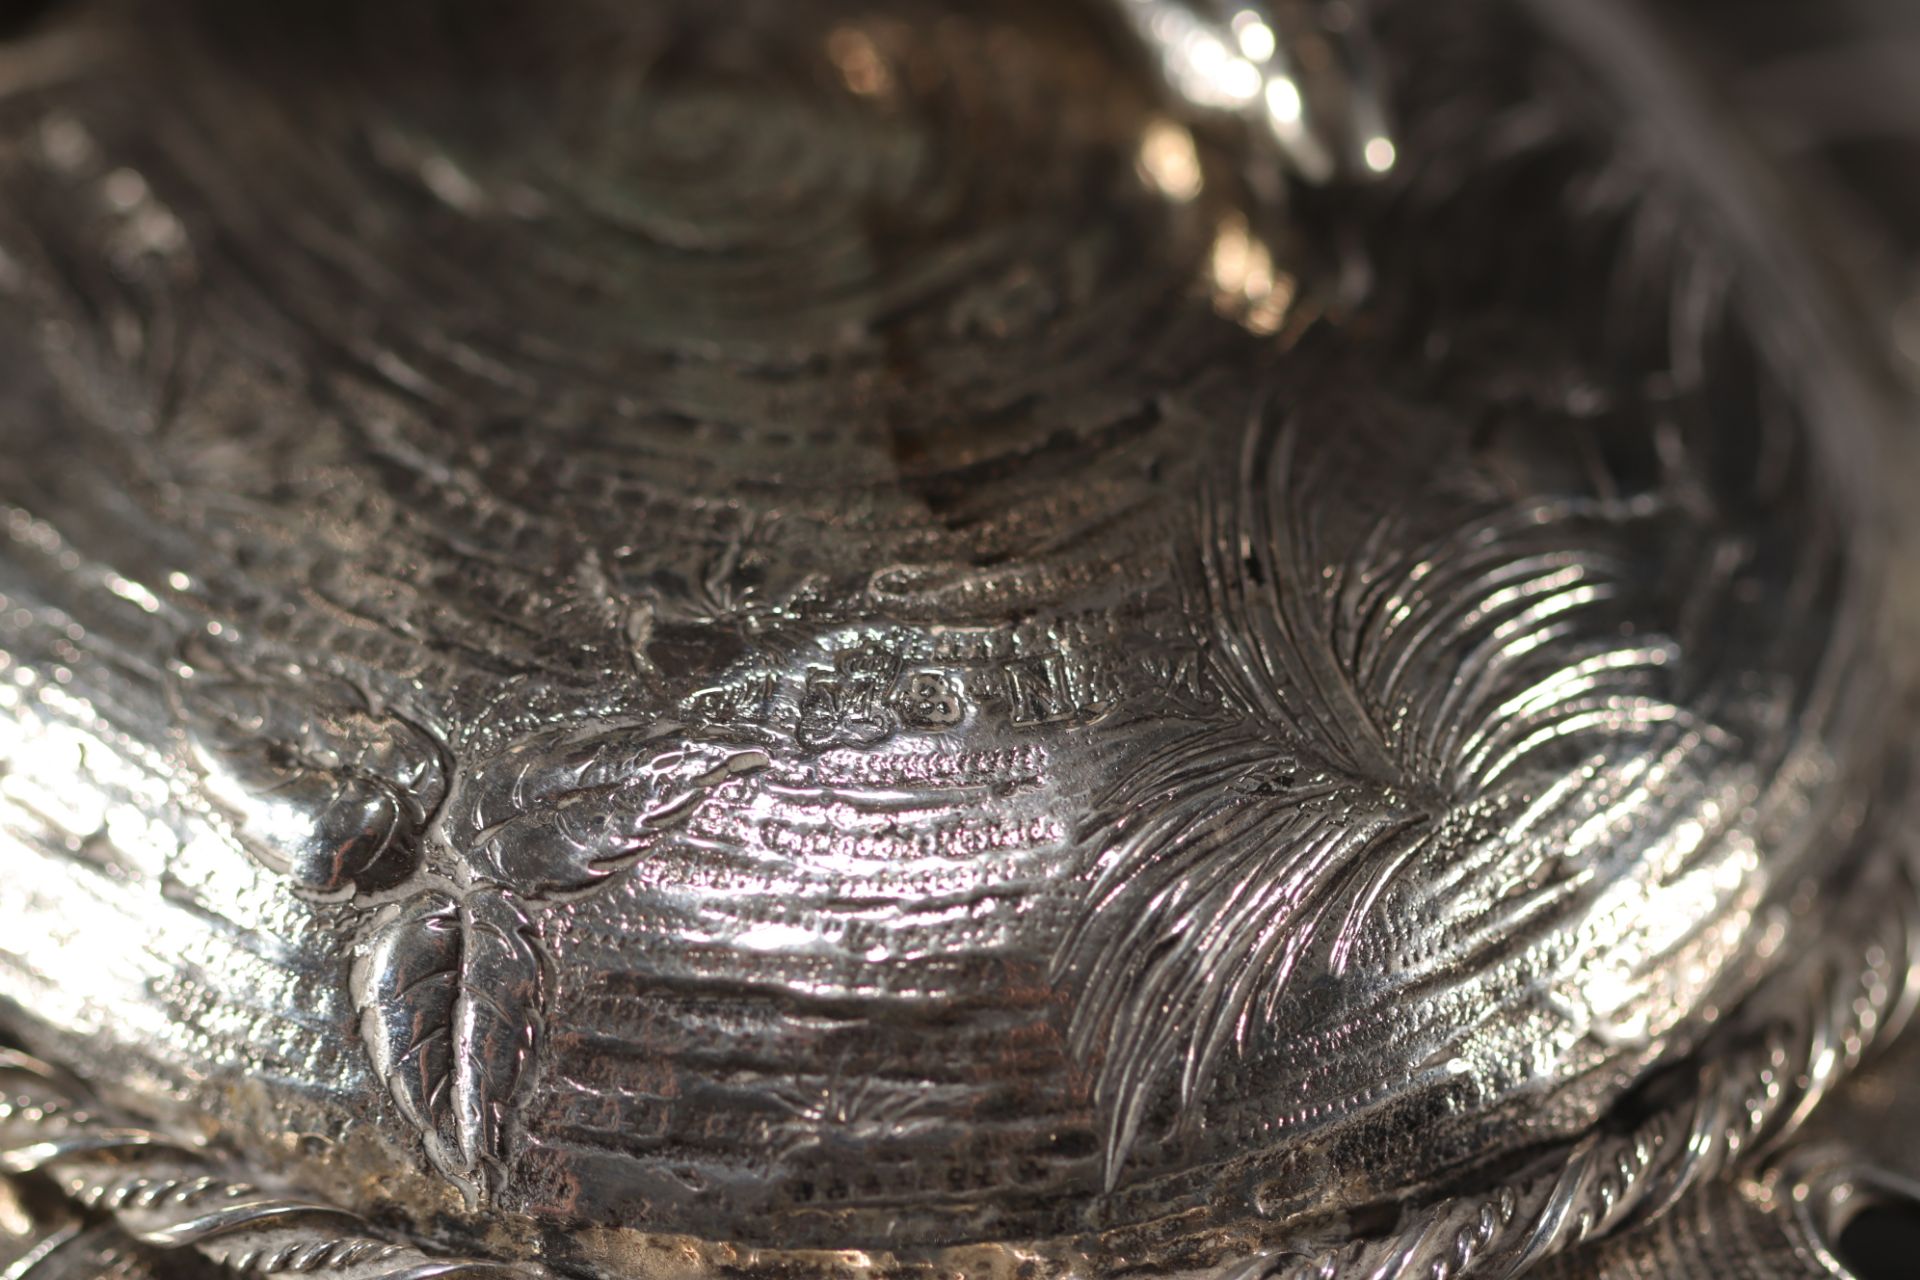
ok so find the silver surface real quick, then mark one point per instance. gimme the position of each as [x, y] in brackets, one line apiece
[847, 638]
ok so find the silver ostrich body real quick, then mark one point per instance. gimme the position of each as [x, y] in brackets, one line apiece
[820, 637]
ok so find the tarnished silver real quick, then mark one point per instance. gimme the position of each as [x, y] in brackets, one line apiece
[829, 638]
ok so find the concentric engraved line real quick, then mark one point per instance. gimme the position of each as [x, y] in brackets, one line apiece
[1801, 1039]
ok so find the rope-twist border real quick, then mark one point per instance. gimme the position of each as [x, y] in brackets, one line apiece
[170, 1195]
[1781, 1054]
[1752, 1087]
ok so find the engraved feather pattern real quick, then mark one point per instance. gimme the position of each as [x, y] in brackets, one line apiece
[450, 993]
[492, 620]
[1396, 700]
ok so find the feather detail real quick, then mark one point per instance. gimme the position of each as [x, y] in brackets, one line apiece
[1385, 692]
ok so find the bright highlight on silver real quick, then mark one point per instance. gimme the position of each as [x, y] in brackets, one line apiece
[856, 639]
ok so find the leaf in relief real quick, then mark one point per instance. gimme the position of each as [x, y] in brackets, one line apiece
[564, 810]
[451, 993]
[322, 789]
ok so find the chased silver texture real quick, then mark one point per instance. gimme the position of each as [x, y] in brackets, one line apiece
[835, 637]
[166, 1195]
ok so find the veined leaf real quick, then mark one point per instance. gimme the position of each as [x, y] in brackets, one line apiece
[451, 994]
[564, 810]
